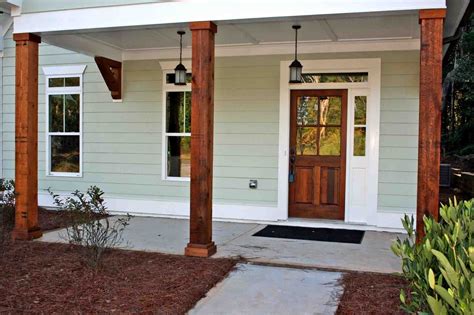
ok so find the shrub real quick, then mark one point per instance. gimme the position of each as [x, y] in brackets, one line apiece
[7, 209]
[90, 226]
[440, 268]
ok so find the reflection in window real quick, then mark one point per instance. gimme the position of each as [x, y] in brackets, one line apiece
[321, 118]
[178, 134]
[64, 82]
[65, 152]
[335, 77]
[360, 125]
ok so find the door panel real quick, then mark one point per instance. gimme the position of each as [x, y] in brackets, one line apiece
[317, 153]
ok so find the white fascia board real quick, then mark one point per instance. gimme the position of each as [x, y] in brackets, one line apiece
[204, 10]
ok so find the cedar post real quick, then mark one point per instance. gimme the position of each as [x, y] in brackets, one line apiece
[26, 137]
[202, 132]
[429, 141]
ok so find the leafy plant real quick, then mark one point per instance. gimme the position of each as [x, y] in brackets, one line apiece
[440, 268]
[90, 226]
[7, 209]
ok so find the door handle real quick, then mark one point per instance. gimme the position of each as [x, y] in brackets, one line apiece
[291, 176]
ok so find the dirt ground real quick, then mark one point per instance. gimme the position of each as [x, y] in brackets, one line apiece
[371, 293]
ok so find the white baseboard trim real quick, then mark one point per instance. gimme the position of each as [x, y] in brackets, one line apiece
[385, 221]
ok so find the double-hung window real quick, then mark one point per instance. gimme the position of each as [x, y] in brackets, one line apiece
[177, 129]
[64, 120]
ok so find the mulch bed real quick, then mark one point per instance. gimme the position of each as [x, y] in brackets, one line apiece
[50, 278]
[371, 293]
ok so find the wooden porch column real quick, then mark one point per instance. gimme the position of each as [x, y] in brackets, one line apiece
[429, 141]
[202, 132]
[26, 137]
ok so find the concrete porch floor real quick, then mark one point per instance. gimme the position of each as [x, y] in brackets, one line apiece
[235, 239]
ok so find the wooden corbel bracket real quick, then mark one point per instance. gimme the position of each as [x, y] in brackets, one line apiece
[111, 71]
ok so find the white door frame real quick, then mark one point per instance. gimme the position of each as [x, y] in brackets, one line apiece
[367, 214]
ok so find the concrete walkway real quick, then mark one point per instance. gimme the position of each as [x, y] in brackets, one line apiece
[236, 240]
[253, 289]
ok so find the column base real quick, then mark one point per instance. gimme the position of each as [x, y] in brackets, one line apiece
[199, 250]
[26, 235]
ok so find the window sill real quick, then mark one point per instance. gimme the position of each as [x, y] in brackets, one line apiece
[177, 179]
[72, 175]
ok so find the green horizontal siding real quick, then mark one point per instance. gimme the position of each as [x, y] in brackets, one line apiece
[123, 141]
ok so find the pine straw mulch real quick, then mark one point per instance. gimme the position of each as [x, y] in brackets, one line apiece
[50, 278]
[371, 293]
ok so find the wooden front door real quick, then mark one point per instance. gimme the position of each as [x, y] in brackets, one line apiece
[317, 153]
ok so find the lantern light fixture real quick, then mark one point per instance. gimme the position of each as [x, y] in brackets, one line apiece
[180, 70]
[296, 68]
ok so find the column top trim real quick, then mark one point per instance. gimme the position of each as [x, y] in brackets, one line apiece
[207, 25]
[432, 14]
[26, 37]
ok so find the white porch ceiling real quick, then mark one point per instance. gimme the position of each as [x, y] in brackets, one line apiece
[315, 30]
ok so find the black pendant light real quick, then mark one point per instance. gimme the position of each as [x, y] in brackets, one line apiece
[180, 70]
[296, 68]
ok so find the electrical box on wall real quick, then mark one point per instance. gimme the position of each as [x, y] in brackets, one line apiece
[253, 184]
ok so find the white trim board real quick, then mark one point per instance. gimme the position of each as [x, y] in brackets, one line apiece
[388, 222]
[182, 12]
[367, 213]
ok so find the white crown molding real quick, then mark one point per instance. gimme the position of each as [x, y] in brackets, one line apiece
[64, 70]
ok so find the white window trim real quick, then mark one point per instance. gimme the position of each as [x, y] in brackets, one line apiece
[373, 86]
[65, 71]
[168, 67]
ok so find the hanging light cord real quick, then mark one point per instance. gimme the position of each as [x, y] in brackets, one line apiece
[180, 47]
[296, 43]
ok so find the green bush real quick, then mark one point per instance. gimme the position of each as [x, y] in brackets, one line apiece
[440, 268]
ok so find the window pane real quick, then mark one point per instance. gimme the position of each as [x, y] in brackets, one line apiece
[179, 156]
[170, 78]
[56, 107]
[306, 141]
[330, 109]
[72, 112]
[330, 141]
[360, 110]
[359, 141]
[74, 81]
[178, 112]
[56, 82]
[307, 110]
[335, 77]
[65, 154]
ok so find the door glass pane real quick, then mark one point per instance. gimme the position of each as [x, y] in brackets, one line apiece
[360, 110]
[335, 77]
[65, 154]
[307, 110]
[330, 109]
[56, 107]
[359, 141]
[179, 156]
[178, 112]
[71, 114]
[330, 141]
[306, 141]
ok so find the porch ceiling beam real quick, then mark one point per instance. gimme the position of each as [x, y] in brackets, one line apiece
[202, 139]
[195, 10]
[26, 137]
[328, 29]
[111, 71]
[429, 139]
[85, 45]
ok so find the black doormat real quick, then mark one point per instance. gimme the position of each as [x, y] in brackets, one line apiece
[312, 234]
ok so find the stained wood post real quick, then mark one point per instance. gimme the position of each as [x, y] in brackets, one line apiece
[202, 132]
[26, 137]
[429, 141]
